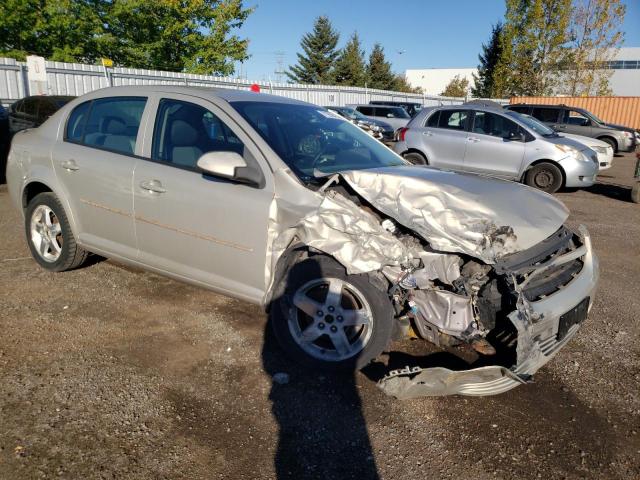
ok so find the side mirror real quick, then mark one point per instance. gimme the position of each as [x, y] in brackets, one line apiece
[515, 137]
[229, 165]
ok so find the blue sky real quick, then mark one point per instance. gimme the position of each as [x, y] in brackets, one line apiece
[431, 34]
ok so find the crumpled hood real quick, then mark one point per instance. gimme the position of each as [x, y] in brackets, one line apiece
[482, 217]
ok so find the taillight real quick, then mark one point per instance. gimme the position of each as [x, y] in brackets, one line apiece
[401, 133]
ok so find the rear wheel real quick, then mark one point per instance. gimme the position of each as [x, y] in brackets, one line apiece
[544, 176]
[49, 235]
[329, 320]
[415, 158]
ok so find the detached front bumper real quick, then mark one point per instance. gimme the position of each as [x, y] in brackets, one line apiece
[539, 339]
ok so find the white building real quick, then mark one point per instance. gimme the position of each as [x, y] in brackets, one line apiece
[624, 82]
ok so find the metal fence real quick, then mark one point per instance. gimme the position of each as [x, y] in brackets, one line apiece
[77, 79]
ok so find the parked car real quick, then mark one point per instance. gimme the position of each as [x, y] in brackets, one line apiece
[31, 112]
[493, 141]
[273, 201]
[602, 149]
[579, 121]
[397, 117]
[412, 108]
[379, 129]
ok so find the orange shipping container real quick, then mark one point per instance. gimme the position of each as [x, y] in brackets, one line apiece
[619, 110]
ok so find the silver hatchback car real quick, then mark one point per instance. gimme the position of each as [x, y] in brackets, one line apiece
[493, 141]
[287, 205]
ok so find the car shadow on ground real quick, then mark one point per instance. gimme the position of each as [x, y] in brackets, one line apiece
[322, 429]
[611, 190]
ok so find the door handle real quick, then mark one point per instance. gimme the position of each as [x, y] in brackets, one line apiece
[428, 134]
[70, 165]
[152, 186]
[473, 139]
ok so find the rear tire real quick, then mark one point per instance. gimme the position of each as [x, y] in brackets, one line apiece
[49, 235]
[328, 320]
[416, 158]
[544, 176]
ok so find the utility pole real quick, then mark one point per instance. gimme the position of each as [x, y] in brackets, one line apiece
[279, 72]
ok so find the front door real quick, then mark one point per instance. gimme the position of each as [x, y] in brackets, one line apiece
[493, 147]
[95, 165]
[205, 229]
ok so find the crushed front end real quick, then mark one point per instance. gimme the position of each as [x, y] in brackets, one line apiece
[528, 305]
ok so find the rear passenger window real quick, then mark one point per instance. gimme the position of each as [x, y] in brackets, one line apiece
[113, 123]
[453, 119]
[75, 124]
[549, 115]
[184, 131]
[432, 121]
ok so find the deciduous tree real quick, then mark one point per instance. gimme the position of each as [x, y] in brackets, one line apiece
[457, 87]
[595, 36]
[191, 35]
[534, 42]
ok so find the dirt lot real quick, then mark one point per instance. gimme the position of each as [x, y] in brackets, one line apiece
[107, 372]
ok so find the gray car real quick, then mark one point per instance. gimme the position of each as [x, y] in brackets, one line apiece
[283, 204]
[581, 122]
[397, 117]
[490, 140]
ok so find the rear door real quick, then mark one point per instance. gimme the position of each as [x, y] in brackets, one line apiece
[206, 229]
[95, 164]
[549, 116]
[445, 138]
[492, 148]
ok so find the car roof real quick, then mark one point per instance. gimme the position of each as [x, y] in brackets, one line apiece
[228, 94]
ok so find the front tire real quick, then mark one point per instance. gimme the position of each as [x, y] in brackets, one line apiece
[328, 320]
[49, 235]
[544, 176]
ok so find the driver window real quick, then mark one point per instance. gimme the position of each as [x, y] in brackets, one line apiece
[578, 119]
[184, 131]
[487, 123]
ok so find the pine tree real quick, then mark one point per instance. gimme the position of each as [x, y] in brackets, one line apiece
[484, 82]
[315, 65]
[350, 68]
[379, 74]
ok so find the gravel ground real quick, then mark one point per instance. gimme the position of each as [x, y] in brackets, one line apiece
[110, 372]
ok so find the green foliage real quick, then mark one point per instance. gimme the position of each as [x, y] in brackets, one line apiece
[457, 87]
[188, 35]
[595, 35]
[350, 67]
[484, 82]
[379, 74]
[401, 84]
[533, 45]
[316, 64]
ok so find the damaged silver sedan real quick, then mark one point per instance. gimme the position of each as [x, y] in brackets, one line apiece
[284, 204]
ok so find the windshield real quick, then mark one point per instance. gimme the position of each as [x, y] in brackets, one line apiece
[592, 116]
[532, 123]
[314, 142]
